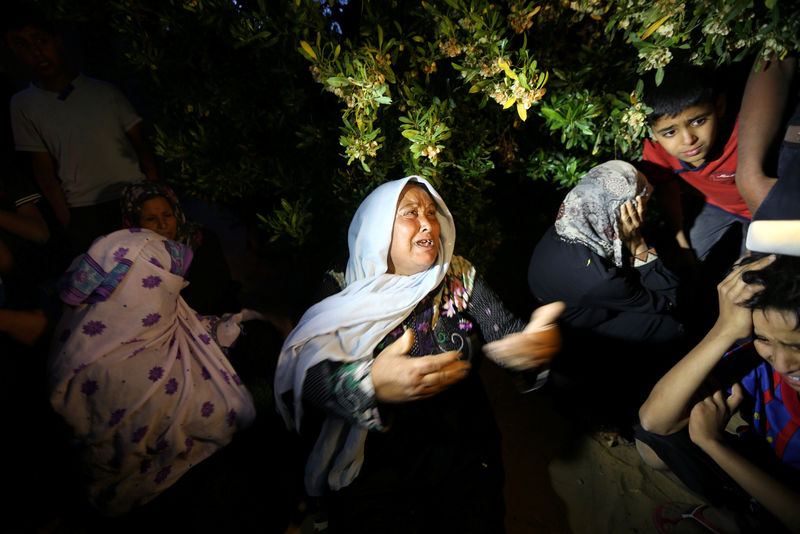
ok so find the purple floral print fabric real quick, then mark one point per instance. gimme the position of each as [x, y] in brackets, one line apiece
[137, 374]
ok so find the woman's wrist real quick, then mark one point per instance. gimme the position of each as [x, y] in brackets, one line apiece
[635, 244]
[643, 256]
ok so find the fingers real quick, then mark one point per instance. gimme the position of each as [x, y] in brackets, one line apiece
[640, 207]
[545, 316]
[525, 350]
[437, 374]
[404, 343]
[735, 288]
[735, 398]
[446, 376]
[435, 362]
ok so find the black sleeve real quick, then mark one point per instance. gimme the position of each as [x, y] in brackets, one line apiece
[487, 309]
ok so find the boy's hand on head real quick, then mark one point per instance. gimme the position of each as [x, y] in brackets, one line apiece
[734, 319]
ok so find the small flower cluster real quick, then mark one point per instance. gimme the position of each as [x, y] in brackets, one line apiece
[593, 8]
[655, 57]
[634, 117]
[357, 148]
[521, 19]
[502, 92]
[450, 48]
[715, 27]
[431, 152]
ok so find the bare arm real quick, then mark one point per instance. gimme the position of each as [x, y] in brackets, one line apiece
[44, 172]
[666, 409]
[707, 420]
[763, 104]
[6, 258]
[27, 223]
[669, 199]
[144, 152]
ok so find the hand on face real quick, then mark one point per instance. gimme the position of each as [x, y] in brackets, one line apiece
[399, 378]
[630, 220]
[736, 320]
[533, 347]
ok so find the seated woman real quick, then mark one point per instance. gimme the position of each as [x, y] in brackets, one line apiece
[619, 295]
[137, 374]
[389, 364]
[153, 205]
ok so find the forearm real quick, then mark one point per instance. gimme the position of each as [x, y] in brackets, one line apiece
[45, 176]
[147, 160]
[28, 225]
[494, 320]
[666, 409]
[763, 103]
[344, 390]
[669, 199]
[6, 258]
[774, 496]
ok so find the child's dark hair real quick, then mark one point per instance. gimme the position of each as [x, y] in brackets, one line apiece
[683, 86]
[18, 15]
[781, 281]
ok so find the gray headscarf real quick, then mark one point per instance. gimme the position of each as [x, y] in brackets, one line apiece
[589, 214]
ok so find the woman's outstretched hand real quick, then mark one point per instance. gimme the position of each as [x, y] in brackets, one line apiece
[399, 378]
[534, 346]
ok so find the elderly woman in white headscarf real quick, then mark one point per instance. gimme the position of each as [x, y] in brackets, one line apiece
[388, 367]
[619, 295]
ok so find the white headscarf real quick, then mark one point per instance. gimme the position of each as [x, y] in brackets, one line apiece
[348, 326]
[590, 212]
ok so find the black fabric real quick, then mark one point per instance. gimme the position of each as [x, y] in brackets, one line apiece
[211, 290]
[437, 467]
[702, 475]
[620, 330]
[630, 304]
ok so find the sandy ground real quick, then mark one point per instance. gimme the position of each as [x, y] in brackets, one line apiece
[561, 480]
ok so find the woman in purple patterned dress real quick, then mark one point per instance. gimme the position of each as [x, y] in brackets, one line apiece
[140, 377]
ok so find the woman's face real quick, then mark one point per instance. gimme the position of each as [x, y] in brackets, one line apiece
[415, 236]
[157, 215]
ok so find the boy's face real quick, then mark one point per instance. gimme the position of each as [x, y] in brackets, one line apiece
[690, 135]
[37, 49]
[777, 340]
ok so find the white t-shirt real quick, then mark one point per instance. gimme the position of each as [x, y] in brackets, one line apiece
[83, 128]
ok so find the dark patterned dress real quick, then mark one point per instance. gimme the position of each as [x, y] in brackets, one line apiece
[432, 464]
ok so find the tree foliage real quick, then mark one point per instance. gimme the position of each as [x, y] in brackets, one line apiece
[295, 109]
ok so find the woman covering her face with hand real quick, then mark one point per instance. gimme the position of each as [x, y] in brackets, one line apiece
[619, 295]
[388, 365]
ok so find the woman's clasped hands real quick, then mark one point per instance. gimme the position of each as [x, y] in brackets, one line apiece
[397, 377]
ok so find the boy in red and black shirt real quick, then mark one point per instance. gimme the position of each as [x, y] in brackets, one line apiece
[693, 142]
